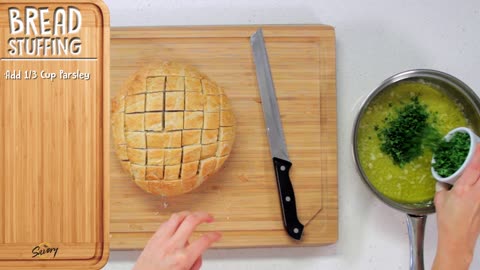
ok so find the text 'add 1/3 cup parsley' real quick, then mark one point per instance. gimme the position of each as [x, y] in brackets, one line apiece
[450, 155]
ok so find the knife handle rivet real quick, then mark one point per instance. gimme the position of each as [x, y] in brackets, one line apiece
[282, 168]
[295, 230]
[288, 199]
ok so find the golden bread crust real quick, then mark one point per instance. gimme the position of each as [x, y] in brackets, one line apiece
[172, 128]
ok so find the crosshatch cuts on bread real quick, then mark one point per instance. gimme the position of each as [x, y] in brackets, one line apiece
[172, 128]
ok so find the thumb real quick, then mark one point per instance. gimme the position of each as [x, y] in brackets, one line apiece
[439, 186]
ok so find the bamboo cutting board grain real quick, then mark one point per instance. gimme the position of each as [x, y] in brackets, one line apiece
[243, 196]
[54, 157]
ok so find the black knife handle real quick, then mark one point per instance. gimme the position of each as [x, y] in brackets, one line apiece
[287, 198]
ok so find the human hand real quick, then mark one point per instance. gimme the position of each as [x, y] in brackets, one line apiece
[458, 218]
[169, 249]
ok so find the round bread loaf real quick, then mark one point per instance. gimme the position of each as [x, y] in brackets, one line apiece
[172, 128]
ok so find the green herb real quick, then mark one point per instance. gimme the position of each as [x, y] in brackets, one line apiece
[450, 156]
[405, 134]
[431, 137]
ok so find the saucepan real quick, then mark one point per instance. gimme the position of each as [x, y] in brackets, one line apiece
[417, 212]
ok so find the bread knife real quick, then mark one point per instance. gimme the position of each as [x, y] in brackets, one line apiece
[276, 137]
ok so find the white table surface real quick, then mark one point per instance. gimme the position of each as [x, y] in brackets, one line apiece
[375, 39]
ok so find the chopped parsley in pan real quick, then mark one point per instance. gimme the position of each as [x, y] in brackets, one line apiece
[405, 134]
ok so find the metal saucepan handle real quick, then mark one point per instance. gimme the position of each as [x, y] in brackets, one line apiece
[416, 234]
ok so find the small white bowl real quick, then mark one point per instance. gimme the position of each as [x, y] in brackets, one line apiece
[474, 140]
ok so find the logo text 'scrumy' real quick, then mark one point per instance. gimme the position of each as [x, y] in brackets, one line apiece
[44, 251]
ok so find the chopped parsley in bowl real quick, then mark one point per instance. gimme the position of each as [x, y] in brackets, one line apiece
[452, 155]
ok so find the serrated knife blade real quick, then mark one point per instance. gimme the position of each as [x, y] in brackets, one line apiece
[276, 137]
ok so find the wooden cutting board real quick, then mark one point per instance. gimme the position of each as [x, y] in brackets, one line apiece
[54, 145]
[243, 196]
